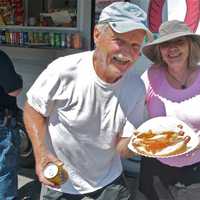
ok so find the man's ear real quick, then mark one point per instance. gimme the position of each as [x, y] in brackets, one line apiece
[96, 34]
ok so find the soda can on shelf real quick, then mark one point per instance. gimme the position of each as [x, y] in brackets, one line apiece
[25, 37]
[14, 37]
[51, 39]
[46, 38]
[21, 41]
[3, 37]
[11, 38]
[17, 37]
[41, 37]
[68, 40]
[7, 37]
[30, 37]
[63, 40]
[36, 37]
[57, 40]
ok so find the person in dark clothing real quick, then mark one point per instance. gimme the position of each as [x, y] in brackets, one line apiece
[10, 87]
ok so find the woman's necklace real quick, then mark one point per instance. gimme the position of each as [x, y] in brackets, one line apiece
[183, 85]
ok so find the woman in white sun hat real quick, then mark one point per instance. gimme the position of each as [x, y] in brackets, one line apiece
[173, 89]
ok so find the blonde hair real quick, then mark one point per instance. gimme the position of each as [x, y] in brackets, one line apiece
[158, 57]
[194, 57]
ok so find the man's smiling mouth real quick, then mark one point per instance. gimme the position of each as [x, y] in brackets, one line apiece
[121, 59]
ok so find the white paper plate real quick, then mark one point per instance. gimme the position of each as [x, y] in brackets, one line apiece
[160, 124]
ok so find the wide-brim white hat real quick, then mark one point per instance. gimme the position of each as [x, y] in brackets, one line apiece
[168, 31]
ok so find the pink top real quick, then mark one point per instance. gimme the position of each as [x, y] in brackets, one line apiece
[164, 100]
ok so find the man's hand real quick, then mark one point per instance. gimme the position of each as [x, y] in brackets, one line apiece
[42, 163]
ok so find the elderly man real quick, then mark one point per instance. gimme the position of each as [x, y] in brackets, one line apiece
[83, 108]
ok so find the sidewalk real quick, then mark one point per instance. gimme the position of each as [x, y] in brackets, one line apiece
[28, 185]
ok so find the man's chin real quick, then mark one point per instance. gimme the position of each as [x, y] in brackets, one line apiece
[118, 78]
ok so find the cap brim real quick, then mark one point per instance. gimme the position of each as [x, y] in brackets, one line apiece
[124, 27]
[149, 49]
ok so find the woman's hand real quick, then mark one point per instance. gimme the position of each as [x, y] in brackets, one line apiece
[122, 148]
[198, 133]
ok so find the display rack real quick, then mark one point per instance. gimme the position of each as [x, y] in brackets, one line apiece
[77, 37]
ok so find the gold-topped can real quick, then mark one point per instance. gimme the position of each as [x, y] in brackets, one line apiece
[55, 173]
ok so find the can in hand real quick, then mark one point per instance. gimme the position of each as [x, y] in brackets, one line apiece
[55, 173]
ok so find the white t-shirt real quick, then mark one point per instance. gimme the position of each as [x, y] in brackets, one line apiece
[85, 116]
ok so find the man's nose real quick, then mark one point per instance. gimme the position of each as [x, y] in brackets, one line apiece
[130, 51]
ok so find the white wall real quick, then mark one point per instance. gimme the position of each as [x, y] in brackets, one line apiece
[29, 71]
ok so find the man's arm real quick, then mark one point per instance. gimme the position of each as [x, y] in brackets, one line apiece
[136, 118]
[35, 124]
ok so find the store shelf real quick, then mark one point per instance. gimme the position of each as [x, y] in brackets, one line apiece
[33, 10]
[37, 54]
[39, 28]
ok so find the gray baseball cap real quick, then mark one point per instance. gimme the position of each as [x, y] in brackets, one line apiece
[124, 17]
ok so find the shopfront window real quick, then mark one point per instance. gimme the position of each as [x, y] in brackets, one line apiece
[55, 13]
[41, 23]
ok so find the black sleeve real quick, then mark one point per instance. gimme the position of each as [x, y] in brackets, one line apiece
[9, 79]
